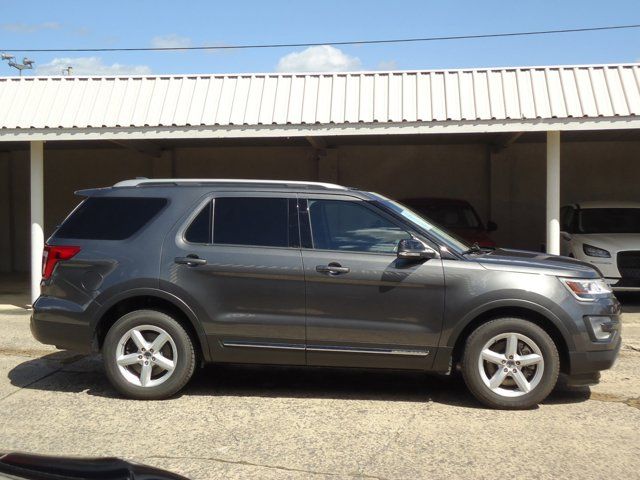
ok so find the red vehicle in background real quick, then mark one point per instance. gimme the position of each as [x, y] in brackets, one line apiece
[457, 216]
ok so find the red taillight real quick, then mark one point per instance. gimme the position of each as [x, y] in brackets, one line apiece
[52, 254]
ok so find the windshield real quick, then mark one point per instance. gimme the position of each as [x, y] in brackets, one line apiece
[609, 220]
[451, 216]
[439, 233]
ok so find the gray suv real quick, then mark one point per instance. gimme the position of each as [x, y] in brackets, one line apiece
[163, 275]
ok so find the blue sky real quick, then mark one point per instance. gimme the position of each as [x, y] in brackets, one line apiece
[67, 23]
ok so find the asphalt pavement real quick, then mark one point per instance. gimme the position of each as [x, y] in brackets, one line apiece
[302, 423]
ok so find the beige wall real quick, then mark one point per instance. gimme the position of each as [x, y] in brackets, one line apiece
[14, 210]
[413, 171]
[286, 163]
[590, 171]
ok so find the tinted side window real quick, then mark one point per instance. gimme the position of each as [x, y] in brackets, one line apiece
[351, 226]
[200, 229]
[110, 218]
[252, 221]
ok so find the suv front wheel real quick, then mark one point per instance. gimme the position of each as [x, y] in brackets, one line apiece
[510, 363]
[148, 355]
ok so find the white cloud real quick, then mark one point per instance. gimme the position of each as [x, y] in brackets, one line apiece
[324, 58]
[172, 40]
[19, 27]
[82, 31]
[90, 66]
[387, 65]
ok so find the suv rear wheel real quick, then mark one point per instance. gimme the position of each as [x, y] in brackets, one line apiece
[148, 355]
[510, 363]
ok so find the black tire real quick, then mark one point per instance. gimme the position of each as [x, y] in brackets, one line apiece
[184, 366]
[471, 371]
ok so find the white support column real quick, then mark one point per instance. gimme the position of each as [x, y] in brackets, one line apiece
[553, 192]
[37, 215]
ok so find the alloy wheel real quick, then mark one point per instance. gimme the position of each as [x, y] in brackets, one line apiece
[146, 356]
[511, 364]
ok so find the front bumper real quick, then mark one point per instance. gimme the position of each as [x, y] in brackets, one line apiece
[621, 279]
[623, 284]
[594, 361]
[588, 351]
[579, 380]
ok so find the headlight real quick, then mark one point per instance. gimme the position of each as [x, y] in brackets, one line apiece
[587, 289]
[592, 251]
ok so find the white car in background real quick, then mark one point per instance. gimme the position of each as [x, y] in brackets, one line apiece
[606, 234]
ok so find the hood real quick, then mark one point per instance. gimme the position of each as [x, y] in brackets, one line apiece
[473, 235]
[29, 466]
[610, 241]
[536, 262]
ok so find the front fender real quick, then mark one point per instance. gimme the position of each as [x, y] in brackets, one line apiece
[494, 305]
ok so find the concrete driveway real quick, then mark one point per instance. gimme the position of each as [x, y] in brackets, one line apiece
[296, 423]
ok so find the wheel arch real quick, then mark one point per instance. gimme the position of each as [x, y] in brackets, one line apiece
[148, 298]
[534, 313]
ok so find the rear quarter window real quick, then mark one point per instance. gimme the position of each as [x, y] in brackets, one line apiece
[252, 221]
[110, 218]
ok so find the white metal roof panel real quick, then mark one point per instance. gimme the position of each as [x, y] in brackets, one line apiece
[452, 96]
[257, 100]
[323, 102]
[409, 99]
[268, 101]
[510, 93]
[338, 96]
[438, 98]
[309, 99]
[367, 99]
[481, 96]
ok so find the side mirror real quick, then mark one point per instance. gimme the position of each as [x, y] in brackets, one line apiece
[491, 226]
[565, 236]
[413, 249]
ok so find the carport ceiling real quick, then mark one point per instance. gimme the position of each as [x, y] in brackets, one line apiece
[493, 139]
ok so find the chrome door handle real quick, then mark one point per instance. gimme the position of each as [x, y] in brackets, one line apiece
[191, 261]
[332, 269]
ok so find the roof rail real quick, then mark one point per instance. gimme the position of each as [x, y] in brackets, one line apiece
[149, 182]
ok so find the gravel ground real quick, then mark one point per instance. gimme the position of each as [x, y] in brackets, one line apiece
[258, 422]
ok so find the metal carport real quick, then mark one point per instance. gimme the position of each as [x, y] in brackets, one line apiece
[140, 112]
